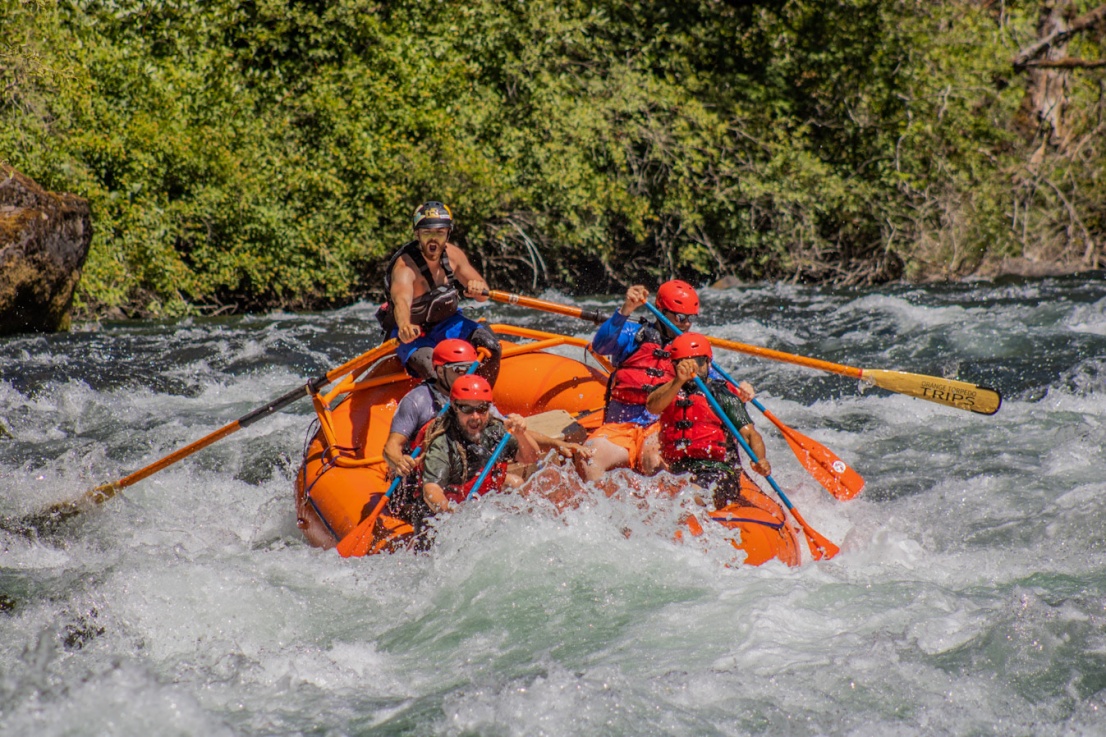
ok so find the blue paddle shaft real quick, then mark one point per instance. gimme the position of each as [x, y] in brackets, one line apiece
[718, 407]
[488, 466]
[415, 453]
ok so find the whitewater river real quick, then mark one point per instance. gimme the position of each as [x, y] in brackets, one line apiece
[969, 597]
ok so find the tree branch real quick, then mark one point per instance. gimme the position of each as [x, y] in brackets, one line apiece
[1066, 63]
[1083, 22]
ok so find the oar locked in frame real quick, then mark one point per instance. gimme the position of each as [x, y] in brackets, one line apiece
[51, 518]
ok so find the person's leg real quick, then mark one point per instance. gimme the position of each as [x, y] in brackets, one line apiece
[482, 337]
[607, 455]
[417, 355]
[651, 461]
[421, 363]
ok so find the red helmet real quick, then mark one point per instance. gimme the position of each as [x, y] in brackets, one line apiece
[453, 350]
[471, 388]
[678, 296]
[690, 345]
[432, 214]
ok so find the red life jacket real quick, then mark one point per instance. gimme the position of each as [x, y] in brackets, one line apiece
[494, 482]
[690, 429]
[635, 378]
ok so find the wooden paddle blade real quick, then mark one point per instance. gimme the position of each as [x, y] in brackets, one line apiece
[949, 392]
[838, 478]
[63, 510]
[552, 423]
[820, 546]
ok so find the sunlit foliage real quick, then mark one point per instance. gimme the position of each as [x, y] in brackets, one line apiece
[243, 155]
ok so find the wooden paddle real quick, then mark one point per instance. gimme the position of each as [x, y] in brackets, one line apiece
[824, 465]
[949, 392]
[540, 304]
[57, 513]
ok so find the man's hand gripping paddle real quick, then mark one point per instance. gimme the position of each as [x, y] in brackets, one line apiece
[822, 463]
[831, 472]
[359, 540]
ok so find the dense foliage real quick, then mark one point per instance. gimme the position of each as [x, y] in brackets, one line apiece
[244, 154]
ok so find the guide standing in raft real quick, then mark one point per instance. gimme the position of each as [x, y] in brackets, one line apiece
[424, 280]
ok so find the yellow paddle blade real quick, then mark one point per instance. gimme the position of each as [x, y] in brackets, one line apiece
[949, 392]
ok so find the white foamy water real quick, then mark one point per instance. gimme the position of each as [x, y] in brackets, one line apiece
[969, 597]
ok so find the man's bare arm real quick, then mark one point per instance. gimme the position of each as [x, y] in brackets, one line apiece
[403, 294]
[466, 273]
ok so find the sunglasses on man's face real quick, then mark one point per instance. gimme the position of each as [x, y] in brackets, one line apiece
[459, 367]
[681, 317]
[468, 409]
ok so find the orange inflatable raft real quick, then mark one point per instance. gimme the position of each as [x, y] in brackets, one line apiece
[344, 476]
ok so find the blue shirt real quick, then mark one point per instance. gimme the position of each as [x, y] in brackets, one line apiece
[617, 339]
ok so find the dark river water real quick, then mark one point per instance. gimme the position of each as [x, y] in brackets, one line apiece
[969, 597]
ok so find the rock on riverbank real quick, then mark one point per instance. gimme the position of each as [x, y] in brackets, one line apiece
[44, 240]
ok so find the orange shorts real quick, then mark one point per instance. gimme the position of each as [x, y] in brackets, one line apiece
[629, 436]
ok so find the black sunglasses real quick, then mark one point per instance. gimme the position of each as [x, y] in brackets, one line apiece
[468, 409]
